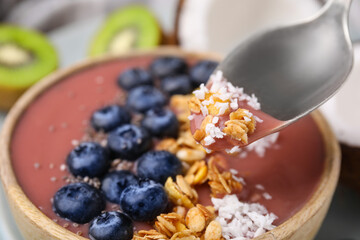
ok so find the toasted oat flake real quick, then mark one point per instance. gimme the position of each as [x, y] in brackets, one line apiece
[149, 235]
[195, 220]
[213, 231]
[177, 194]
[197, 173]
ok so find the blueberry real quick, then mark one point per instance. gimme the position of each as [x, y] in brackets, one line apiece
[144, 201]
[134, 77]
[89, 159]
[129, 141]
[161, 123]
[109, 117]
[78, 202]
[115, 182]
[179, 84]
[144, 98]
[158, 166]
[168, 66]
[111, 226]
[200, 73]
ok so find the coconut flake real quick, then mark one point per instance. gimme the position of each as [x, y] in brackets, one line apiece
[208, 102]
[214, 131]
[253, 102]
[234, 104]
[260, 146]
[234, 173]
[235, 149]
[247, 119]
[62, 167]
[200, 93]
[267, 196]
[207, 150]
[209, 140]
[215, 120]
[204, 110]
[241, 220]
[258, 119]
[222, 107]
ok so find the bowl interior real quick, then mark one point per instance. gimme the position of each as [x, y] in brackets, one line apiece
[25, 211]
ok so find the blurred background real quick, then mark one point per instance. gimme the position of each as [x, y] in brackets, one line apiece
[201, 25]
[79, 29]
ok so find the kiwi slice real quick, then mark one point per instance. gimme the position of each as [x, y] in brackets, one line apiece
[26, 56]
[129, 28]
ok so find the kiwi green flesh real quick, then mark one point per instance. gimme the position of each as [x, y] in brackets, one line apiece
[36, 57]
[131, 27]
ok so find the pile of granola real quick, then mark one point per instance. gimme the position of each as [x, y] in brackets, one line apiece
[196, 223]
[190, 220]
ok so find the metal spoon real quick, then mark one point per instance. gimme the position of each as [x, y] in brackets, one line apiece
[294, 69]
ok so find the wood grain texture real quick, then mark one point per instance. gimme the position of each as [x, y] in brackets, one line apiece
[35, 225]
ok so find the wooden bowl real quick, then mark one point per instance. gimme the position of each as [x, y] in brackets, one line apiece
[35, 225]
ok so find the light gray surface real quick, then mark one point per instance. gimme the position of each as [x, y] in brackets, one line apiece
[342, 222]
[72, 44]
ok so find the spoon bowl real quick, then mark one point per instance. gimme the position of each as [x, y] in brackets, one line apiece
[293, 70]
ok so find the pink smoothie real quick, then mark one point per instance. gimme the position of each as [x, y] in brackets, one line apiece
[290, 171]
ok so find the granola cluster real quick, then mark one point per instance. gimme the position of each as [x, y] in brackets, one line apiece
[219, 100]
[241, 124]
[221, 182]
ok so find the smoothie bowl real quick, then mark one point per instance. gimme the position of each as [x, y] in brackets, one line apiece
[169, 187]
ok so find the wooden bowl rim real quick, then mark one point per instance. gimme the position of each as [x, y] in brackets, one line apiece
[324, 190]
